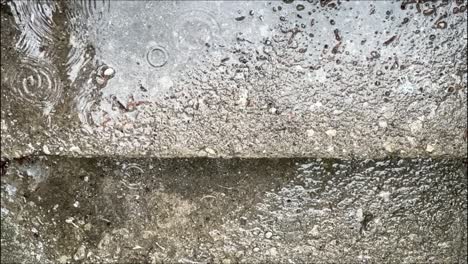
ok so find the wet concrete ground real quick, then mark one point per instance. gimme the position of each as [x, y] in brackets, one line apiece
[61, 210]
[116, 117]
[336, 79]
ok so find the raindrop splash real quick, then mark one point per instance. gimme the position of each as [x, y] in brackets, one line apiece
[195, 28]
[36, 83]
[157, 57]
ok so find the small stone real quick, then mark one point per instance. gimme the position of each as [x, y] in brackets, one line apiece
[388, 146]
[109, 72]
[331, 132]
[314, 232]
[46, 150]
[210, 151]
[429, 148]
[87, 227]
[359, 214]
[310, 132]
[63, 259]
[80, 253]
[273, 110]
[256, 249]
[268, 235]
[76, 204]
[382, 124]
[75, 149]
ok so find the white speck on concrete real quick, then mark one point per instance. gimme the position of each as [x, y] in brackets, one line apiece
[411, 140]
[63, 259]
[331, 132]
[429, 148]
[46, 150]
[416, 126]
[268, 235]
[80, 253]
[314, 232]
[5, 211]
[310, 132]
[210, 151]
[10, 189]
[443, 245]
[382, 124]
[109, 72]
[359, 215]
[388, 146]
[320, 75]
[385, 196]
[76, 204]
[75, 149]
[406, 87]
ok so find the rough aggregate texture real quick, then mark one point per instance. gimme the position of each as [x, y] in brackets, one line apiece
[336, 79]
[61, 210]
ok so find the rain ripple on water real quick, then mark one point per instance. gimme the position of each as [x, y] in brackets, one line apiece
[36, 84]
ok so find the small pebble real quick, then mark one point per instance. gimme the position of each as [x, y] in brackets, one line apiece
[80, 253]
[331, 132]
[268, 235]
[109, 72]
[382, 124]
[45, 149]
[429, 148]
[210, 151]
[75, 149]
[310, 132]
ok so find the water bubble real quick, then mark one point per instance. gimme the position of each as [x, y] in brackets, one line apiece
[300, 7]
[240, 18]
[36, 83]
[157, 57]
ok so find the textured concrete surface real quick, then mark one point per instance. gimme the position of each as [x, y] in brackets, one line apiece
[234, 79]
[96, 95]
[62, 210]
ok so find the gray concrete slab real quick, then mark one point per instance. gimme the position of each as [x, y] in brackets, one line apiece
[105, 210]
[234, 79]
